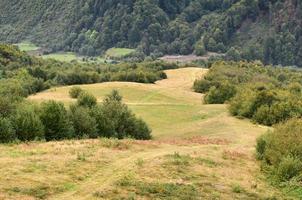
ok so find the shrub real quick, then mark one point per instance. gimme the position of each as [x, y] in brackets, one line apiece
[83, 123]
[233, 54]
[263, 115]
[27, 123]
[237, 188]
[105, 127]
[55, 119]
[220, 94]
[282, 149]
[242, 103]
[200, 49]
[265, 106]
[295, 88]
[114, 119]
[285, 140]
[261, 146]
[12, 87]
[141, 130]
[288, 168]
[87, 100]
[7, 106]
[202, 86]
[278, 112]
[75, 92]
[264, 97]
[7, 133]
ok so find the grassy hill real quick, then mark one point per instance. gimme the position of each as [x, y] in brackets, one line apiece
[199, 152]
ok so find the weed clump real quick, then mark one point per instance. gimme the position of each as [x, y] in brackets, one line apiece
[237, 188]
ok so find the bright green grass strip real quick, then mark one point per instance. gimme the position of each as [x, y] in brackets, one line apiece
[66, 57]
[119, 52]
[27, 46]
[70, 56]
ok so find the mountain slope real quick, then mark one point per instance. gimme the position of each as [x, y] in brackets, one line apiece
[269, 29]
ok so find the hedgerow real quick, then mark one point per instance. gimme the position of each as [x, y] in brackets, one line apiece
[267, 95]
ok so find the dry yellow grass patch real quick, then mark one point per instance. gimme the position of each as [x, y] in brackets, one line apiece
[174, 90]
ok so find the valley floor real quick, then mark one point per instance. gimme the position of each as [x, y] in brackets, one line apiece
[198, 152]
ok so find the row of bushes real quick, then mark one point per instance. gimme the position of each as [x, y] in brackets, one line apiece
[266, 105]
[86, 119]
[106, 74]
[265, 94]
[270, 96]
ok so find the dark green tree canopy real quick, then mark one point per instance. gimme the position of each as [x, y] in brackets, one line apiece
[157, 27]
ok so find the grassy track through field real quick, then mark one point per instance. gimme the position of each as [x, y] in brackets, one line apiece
[198, 152]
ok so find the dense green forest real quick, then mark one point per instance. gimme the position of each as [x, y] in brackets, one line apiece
[267, 30]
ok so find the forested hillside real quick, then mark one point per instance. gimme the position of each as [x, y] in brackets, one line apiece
[267, 30]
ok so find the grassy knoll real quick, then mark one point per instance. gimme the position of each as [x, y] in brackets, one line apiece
[118, 52]
[27, 46]
[199, 152]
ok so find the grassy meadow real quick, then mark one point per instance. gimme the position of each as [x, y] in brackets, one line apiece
[118, 52]
[71, 56]
[64, 56]
[198, 152]
[27, 46]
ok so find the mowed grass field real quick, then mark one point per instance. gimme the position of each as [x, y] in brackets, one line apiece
[198, 152]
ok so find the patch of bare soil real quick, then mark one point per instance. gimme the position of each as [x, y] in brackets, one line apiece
[187, 58]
